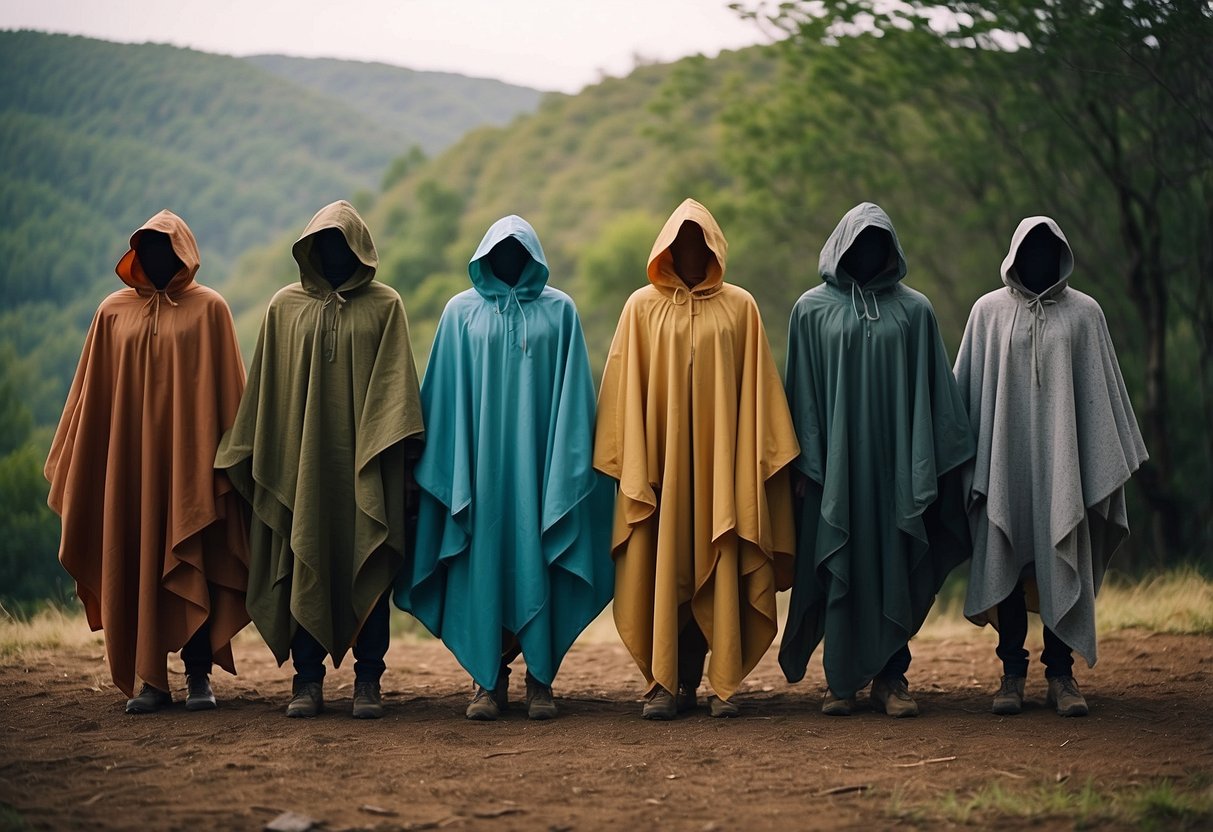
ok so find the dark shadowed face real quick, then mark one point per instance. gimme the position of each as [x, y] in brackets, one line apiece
[507, 260]
[1038, 260]
[691, 254]
[157, 258]
[333, 256]
[868, 256]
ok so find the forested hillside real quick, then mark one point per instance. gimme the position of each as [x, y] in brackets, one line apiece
[95, 137]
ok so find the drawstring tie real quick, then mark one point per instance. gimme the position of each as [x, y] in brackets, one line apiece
[152, 307]
[513, 296]
[866, 314]
[1036, 306]
[335, 301]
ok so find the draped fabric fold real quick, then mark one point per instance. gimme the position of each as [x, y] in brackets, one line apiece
[514, 525]
[693, 423]
[154, 538]
[318, 446]
[882, 433]
[1056, 442]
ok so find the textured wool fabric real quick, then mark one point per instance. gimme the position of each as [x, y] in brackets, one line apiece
[882, 433]
[318, 446]
[693, 424]
[515, 524]
[154, 538]
[1056, 443]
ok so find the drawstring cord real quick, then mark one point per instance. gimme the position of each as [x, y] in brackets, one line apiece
[1036, 306]
[152, 307]
[513, 296]
[330, 332]
[866, 314]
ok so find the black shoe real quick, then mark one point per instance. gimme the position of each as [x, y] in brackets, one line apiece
[367, 702]
[149, 700]
[200, 697]
[307, 699]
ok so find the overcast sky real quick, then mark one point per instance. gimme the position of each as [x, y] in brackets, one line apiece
[549, 44]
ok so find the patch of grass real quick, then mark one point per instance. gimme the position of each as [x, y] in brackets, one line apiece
[1161, 805]
[50, 628]
[1175, 601]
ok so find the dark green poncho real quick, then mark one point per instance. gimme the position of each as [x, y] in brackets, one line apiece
[882, 434]
[317, 448]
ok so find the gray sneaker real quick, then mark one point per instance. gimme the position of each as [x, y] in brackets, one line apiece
[149, 700]
[307, 700]
[367, 702]
[1064, 695]
[659, 705]
[200, 697]
[539, 702]
[893, 697]
[831, 705]
[1009, 699]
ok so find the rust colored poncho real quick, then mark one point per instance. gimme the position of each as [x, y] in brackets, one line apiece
[693, 422]
[318, 446]
[154, 538]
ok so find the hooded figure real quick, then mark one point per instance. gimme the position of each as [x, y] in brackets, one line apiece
[1056, 443]
[318, 450]
[883, 434]
[513, 531]
[693, 424]
[154, 538]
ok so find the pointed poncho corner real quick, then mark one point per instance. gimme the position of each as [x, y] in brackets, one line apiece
[153, 537]
[318, 450]
[514, 524]
[1056, 442]
[693, 423]
[883, 435]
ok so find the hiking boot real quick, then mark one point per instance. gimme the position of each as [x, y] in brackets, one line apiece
[367, 702]
[539, 703]
[723, 708]
[831, 705]
[1063, 693]
[1009, 699]
[893, 697]
[307, 699]
[486, 705]
[685, 699]
[659, 704]
[149, 700]
[199, 696]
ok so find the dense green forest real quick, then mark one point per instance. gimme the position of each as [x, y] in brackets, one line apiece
[1098, 119]
[95, 137]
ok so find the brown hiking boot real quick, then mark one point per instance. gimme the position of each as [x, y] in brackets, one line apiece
[539, 702]
[659, 704]
[149, 700]
[487, 705]
[200, 697]
[307, 700]
[893, 697]
[723, 708]
[1063, 693]
[831, 705]
[367, 702]
[1009, 699]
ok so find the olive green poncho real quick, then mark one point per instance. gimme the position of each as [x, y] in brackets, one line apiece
[317, 448]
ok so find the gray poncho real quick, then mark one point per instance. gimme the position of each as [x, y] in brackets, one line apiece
[1056, 443]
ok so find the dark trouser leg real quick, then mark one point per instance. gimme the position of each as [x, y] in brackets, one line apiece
[1057, 656]
[1012, 632]
[692, 650]
[371, 645]
[308, 656]
[196, 654]
[897, 665]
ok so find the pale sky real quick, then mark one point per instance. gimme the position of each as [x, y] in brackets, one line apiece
[548, 44]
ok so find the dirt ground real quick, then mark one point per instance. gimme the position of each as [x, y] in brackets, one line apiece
[70, 757]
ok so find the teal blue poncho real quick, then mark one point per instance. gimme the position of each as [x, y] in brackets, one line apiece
[514, 531]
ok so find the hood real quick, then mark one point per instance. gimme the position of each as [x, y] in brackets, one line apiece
[1009, 275]
[853, 222]
[661, 260]
[534, 275]
[184, 245]
[344, 217]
